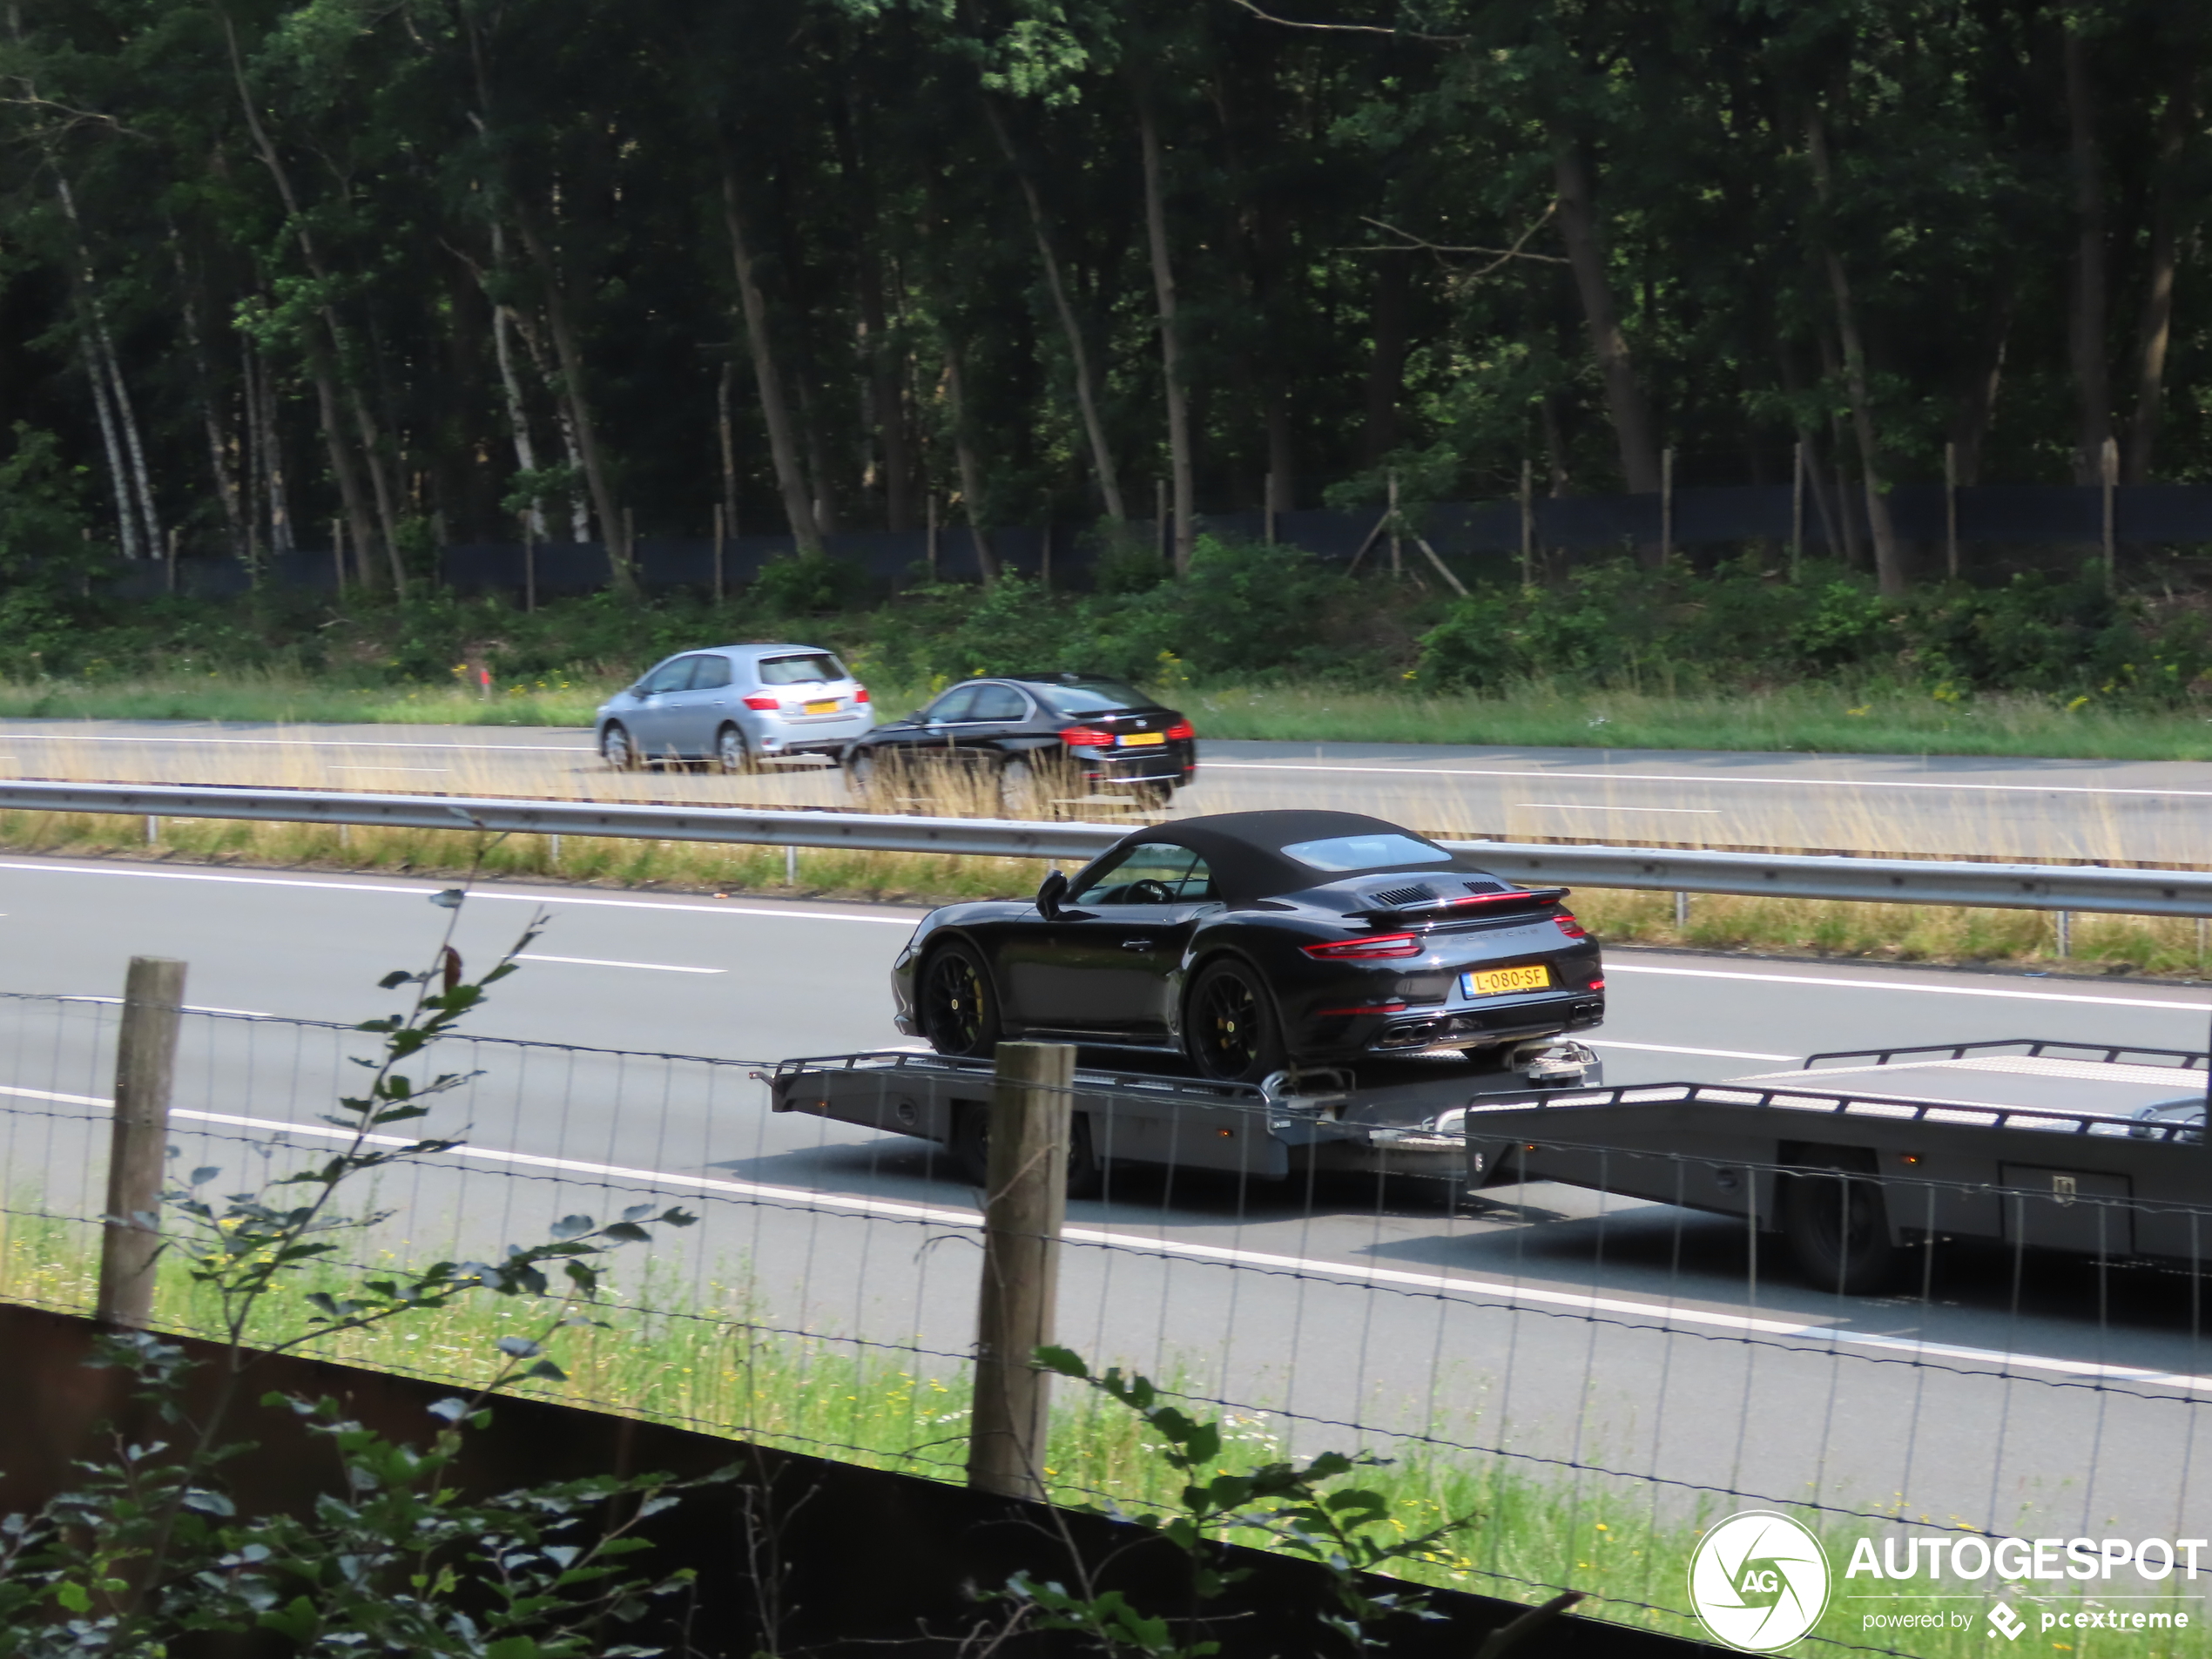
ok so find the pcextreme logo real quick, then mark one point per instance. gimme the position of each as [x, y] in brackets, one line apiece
[1759, 1581]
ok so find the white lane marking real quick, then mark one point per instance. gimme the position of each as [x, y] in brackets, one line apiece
[1663, 1047]
[594, 962]
[1571, 807]
[1703, 777]
[1660, 1312]
[405, 890]
[298, 743]
[1915, 987]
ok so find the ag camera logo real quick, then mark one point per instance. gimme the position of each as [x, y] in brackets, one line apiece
[1759, 1581]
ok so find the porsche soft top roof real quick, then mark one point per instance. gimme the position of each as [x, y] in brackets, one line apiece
[1244, 850]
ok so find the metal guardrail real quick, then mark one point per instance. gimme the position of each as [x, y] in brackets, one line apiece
[2086, 888]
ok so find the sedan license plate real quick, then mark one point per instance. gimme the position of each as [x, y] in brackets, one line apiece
[1498, 981]
[1142, 739]
[823, 706]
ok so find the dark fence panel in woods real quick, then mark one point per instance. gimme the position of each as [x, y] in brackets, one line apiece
[2016, 514]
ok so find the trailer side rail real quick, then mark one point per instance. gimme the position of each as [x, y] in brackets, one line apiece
[2033, 1048]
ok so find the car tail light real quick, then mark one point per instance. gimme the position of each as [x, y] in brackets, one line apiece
[1181, 732]
[765, 704]
[1597, 985]
[1359, 950]
[860, 694]
[1572, 929]
[1086, 737]
[1372, 1008]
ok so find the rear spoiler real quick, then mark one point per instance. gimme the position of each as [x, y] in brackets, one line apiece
[1477, 903]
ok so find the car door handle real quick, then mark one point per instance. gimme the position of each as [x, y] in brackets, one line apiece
[1136, 944]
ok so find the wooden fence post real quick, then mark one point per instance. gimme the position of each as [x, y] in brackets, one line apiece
[1528, 524]
[530, 565]
[1666, 503]
[719, 531]
[929, 542]
[2108, 473]
[1025, 1202]
[337, 553]
[1950, 511]
[1267, 511]
[146, 1061]
[1797, 513]
[1397, 560]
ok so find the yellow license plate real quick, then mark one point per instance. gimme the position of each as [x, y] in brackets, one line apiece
[1142, 739]
[1497, 982]
[827, 706]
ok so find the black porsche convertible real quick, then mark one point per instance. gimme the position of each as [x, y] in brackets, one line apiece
[1249, 941]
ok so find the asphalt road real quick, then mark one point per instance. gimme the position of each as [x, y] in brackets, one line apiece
[2149, 812]
[1624, 1338]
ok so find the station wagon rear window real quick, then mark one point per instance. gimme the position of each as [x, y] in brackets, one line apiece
[811, 668]
[1379, 852]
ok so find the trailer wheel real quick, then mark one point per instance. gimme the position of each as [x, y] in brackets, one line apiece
[970, 1148]
[1837, 1226]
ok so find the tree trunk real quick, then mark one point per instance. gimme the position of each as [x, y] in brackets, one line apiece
[783, 444]
[2155, 330]
[729, 447]
[1386, 366]
[511, 384]
[1102, 454]
[268, 465]
[971, 470]
[885, 383]
[127, 516]
[1624, 399]
[318, 364]
[1977, 409]
[1889, 556]
[226, 481]
[2085, 316]
[1180, 466]
[570, 356]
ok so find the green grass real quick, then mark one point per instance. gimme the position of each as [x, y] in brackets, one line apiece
[1803, 719]
[709, 1366]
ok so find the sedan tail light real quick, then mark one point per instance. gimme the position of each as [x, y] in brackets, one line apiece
[1181, 732]
[1572, 929]
[859, 694]
[1086, 737]
[765, 704]
[1358, 950]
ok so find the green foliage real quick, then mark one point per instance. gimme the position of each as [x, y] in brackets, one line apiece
[1349, 1532]
[808, 584]
[149, 1546]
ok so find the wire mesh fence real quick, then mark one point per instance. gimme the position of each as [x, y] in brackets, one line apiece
[1596, 1372]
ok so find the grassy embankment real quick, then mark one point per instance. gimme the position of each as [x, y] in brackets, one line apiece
[693, 1355]
[1799, 720]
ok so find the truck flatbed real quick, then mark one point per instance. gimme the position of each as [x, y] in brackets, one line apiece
[1859, 1158]
[1384, 1120]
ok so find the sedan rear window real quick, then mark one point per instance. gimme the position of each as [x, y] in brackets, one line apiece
[1378, 852]
[811, 668]
[1090, 697]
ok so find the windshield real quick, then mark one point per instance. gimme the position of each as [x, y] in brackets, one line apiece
[1381, 851]
[811, 668]
[1089, 696]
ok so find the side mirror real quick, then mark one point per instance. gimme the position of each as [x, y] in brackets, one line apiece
[917, 717]
[1049, 894]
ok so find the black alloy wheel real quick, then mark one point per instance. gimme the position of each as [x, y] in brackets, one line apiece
[732, 752]
[1837, 1226]
[1229, 1028]
[959, 1010]
[970, 1149]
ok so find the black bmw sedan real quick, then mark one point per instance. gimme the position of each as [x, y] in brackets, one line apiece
[1250, 942]
[1030, 742]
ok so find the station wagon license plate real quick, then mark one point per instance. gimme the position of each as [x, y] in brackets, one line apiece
[1498, 981]
[823, 706]
[1142, 739]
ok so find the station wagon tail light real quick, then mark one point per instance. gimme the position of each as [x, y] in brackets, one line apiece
[1181, 732]
[1086, 737]
[859, 694]
[765, 704]
[1360, 950]
[1572, 929]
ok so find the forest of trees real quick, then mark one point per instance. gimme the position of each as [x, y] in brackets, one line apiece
[433, 268]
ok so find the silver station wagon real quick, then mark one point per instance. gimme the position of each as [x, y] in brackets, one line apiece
[736, 706]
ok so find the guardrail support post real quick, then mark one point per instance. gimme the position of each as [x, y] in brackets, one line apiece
[1025, 1203]
[145, 1064]
[2065, 933]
